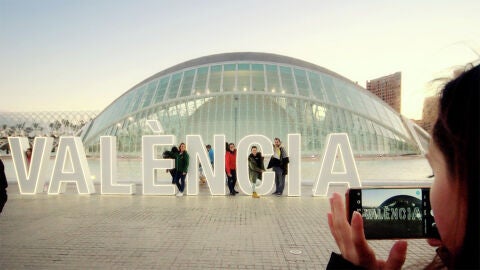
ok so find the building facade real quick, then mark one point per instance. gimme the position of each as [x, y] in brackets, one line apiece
[238, 94]
[389, 89]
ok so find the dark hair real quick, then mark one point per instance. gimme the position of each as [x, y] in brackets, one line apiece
[456, 134]
[253, 147]
[277, 139]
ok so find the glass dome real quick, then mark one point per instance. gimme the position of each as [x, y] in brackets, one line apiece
[238, 94]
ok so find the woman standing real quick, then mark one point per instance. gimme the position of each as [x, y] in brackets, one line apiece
[255, 168]
[181, 166]
[231, 168]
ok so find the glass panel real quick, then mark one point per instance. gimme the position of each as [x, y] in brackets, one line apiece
[287, 81]
[243, 80]
[215, 77]
[317, 87]
[272, 79]
[229, 78]
[343, 93]
[138, 98]
[302, 83]
[356, 101]
[149, 93]
[161, 89]
[258, 77]
[174, 84]
[329, 88]
[187, 83]
[370, 107]
[201, 80]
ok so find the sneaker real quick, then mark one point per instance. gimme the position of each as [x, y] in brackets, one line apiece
[179, 194]
[255, 195]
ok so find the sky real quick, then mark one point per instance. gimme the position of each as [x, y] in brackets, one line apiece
[82, 55]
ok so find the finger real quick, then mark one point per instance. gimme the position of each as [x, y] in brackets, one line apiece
[434, 242]
[334, 233]
[397, 255]
[339, 219]
[339, 224]
[366, 256]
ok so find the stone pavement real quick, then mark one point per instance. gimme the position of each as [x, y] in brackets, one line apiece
[71, 231]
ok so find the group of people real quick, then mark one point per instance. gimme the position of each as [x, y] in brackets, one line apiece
[453, 155]
[278, 163]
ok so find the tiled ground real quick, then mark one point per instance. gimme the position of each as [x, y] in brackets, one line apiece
[71, 231]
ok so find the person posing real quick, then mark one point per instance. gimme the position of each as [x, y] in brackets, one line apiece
[279, 164]
[255, 168]
[171, 155]
[3, 186]
[231, 168]
[453, 155]
[211, 154]
[181, 166]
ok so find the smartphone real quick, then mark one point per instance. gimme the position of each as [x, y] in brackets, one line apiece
[393, 212]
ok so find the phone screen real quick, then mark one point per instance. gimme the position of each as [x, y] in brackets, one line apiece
[393, 212]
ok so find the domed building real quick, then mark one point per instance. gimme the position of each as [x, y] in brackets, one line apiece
[239, 94]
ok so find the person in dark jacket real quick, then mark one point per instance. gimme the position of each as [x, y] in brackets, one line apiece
[279, 164]
[171, 155]
[181, 165]
[454, 157]
[3, 186]
[255, 169]
[231, 168]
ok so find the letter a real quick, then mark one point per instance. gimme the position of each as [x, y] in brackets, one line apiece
[71, 149]
[336, 143]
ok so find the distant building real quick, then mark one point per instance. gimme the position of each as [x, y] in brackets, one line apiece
[243, 93]
[389, 89]
[429, 114]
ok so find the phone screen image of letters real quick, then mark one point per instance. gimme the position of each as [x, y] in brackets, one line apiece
[394, 213]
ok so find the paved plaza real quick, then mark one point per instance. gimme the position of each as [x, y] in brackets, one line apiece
[72, 231]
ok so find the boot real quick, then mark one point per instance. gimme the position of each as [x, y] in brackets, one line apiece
[255, 195]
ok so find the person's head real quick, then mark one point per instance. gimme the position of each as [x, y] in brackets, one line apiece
[209, 147]
[28, 152]
[277, 142]
[253, 150]
[454, 157]
[231, 147]
[182, 147]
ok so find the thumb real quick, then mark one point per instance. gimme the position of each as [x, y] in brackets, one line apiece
[397, 255]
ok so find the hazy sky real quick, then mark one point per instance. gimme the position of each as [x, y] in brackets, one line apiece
[82, 55]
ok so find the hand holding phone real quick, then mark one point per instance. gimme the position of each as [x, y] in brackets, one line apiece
[393, 212]
[352, 243]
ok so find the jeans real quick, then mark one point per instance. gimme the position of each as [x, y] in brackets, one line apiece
[180, 180]
[279, 180]
[232, 180]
